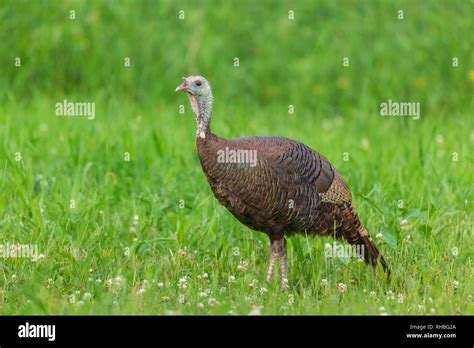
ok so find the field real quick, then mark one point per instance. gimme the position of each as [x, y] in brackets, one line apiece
[117, 206]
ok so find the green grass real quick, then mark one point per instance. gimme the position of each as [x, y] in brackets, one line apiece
[282, 62]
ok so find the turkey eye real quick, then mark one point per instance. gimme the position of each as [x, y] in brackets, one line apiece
[198, 83]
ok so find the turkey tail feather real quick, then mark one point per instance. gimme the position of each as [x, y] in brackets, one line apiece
[373, 254]
[357, 235]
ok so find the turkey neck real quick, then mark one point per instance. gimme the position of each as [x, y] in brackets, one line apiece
[202, 107]
[207, 143]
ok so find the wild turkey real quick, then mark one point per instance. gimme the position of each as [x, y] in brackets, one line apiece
[276, 185]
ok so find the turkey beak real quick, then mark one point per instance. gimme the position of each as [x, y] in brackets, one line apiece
[182, 87]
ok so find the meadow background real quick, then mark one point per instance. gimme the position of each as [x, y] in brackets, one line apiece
[146, 236]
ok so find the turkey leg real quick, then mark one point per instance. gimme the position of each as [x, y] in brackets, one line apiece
[278, 248]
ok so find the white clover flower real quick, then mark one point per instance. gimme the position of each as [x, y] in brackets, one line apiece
[14, 277]
[400, 298]
[119, 280]
[256, 310]
[182, 283]
[253, 283]
[141, 291]
[324, 282]
[263, 291]
[205, 275]
[390, 295]
[455, 284]
[116, 283]
[372, 293]
[203, 294]
[160, 285]
[200, 305]
[404, 225]
[241, 268]
[40, 257]
[212, 302]
[231, 279]
[87, 296]
[379, 236]
[341, 287]
[407, 239]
